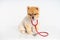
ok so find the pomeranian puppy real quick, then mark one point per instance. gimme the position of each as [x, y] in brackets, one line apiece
[26, 25]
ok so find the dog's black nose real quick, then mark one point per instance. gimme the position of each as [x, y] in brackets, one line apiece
[32, 17]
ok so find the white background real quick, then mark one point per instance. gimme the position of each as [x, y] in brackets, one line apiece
[13, 11]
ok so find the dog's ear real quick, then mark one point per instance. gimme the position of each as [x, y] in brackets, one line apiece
[36, 8]
[28, 7]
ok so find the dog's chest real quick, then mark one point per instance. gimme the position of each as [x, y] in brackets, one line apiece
[28, 22]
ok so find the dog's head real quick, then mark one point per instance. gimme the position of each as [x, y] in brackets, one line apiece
[33, 12]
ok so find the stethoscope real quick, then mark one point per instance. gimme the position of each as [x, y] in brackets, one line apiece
[40, 33]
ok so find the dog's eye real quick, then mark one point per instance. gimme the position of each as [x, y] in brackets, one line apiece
[30, 14]
[34, 14]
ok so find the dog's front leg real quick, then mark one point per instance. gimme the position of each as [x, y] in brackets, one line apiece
[28, 28]
[34, 30]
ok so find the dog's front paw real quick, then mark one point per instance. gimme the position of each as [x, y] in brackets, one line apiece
[34, 34]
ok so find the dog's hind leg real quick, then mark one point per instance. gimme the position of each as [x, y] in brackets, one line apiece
[21, 29]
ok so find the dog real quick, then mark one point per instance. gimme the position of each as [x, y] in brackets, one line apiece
[26, 25]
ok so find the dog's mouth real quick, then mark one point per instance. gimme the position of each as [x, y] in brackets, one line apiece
[34, 22]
